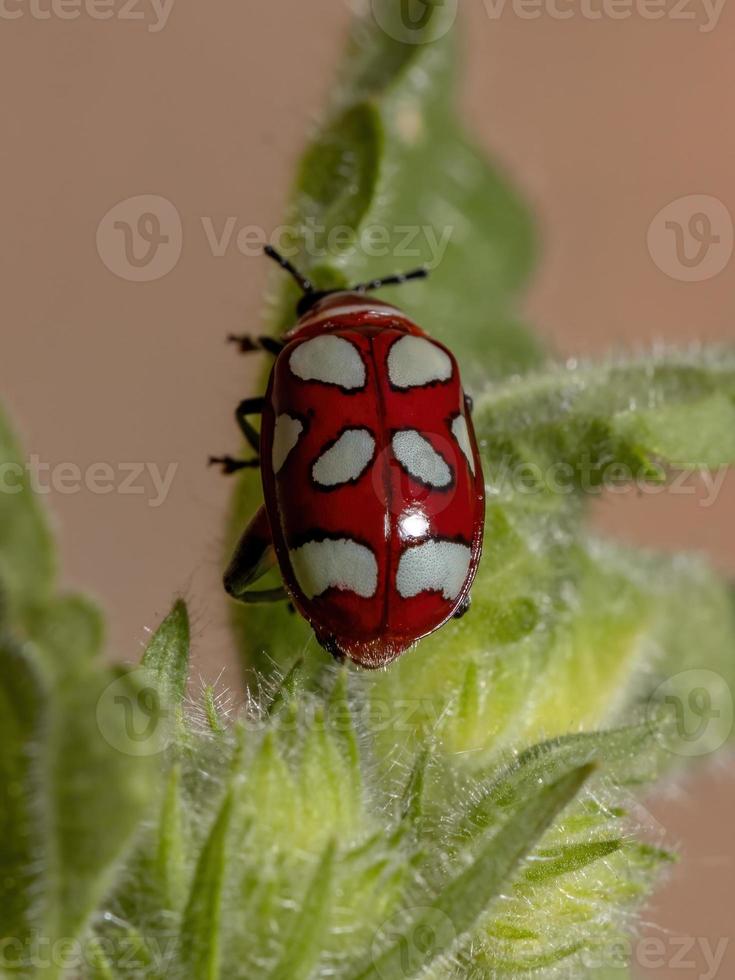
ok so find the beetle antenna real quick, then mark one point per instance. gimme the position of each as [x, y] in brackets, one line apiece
[306, 284]
[367, 287]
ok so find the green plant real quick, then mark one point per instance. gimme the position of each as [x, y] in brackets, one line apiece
[467, 813]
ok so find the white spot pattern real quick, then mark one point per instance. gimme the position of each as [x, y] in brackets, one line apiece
[345, 460]
[414, 362]
[342, 564]
[329, 359]
[437, 566]
[286, 434]
[419, 458]
[461, 434]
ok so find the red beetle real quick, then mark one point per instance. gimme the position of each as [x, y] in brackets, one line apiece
[374, 494]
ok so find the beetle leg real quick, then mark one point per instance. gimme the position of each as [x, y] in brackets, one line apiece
[248, 344]
[253, 557]
[469, 403]
[251, 406]
[230, 465]
[328, 643]
[463, 607]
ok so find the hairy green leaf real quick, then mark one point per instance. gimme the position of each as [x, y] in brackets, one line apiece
[467, 897]
[170, 855]
[27, 565]
[22, 820]
[102, 784]
[200, 931]
[572, 430]
[167, 655]
[305, 941]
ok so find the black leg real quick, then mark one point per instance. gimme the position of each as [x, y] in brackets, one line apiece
[230, 465]
[328, 643]
[256, 597]
[251, 406]
[469, 403]
[463, 608]
[248, 344]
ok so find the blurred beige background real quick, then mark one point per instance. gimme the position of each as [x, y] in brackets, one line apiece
[602, 118]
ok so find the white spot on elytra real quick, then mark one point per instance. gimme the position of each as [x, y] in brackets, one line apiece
[436, 566]
[419, 458]
[332, 360]
[415, 361]
[346, 459]
[285, 436]
[461, 434]
[343, 564]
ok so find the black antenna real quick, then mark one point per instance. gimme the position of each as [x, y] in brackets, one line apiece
[367, 287]
[312, 295]
[306, 284]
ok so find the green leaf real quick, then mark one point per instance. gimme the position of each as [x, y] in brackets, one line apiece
[200, 930]
[68, 631]
[412, 802]
[567, 859]
[75, 792]
[304, 943]
[22, 819]
[211, 711]
[99, 966]
[573, 430]
[76, 786]
[27, 565]
[101, 783]
[467, 897]
[700, 433]
[167, 655]
[170, 856]
[628, 753]
[287, 688]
